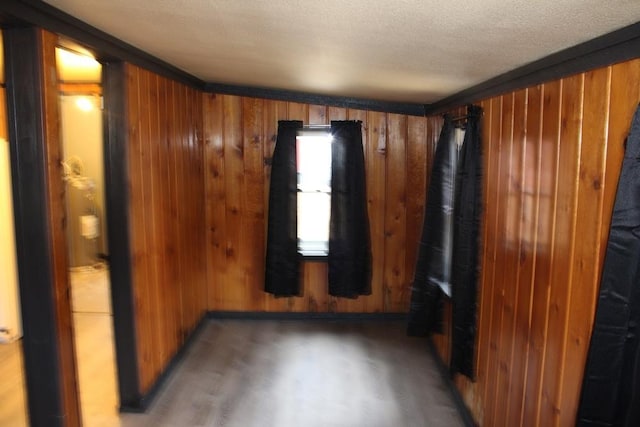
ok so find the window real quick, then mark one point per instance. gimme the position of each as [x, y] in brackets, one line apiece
[456, 140]
[313, 158]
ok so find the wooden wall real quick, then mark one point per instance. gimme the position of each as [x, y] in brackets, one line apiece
[552, 159]
[166, 216]
[239, 140]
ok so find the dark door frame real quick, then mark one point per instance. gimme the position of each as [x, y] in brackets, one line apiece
[48, 347]
[51, 384]
[117, 201]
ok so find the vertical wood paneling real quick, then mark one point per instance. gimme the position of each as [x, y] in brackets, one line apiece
[528, 221]
[233, 187]
[586, 272]
[376, 156]
[502, 245]
[139, 260]
[55, 188]
[167, 216]
[237, 184]
[214, 182]
[512, 250]
[252, 246]
[544, 250]
[565, 224]
[552, 157]
[416, 189]
[394, 285]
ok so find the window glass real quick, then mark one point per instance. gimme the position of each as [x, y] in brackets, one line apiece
[313, 156]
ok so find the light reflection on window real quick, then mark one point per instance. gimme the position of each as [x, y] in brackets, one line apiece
[313, 157]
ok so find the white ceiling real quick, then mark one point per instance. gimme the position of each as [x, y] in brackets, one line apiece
[394, 50]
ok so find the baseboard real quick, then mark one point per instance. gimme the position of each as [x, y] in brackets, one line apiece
[141, 404]
[463, 410]
[263, 315]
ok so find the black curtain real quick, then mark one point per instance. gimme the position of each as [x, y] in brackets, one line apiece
[349, 240]
[611, 386]
[466, 249]
[282, 274]
[433, 266]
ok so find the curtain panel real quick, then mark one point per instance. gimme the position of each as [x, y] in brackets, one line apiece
[282, 269]
[433, 266]
[611, 385]
[466, 246]
[450, 244]
[349, 256]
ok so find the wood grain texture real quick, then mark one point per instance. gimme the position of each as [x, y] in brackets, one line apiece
[240, 135]
[57, 227]
[395, 217]
[552, 157]
[166, 169]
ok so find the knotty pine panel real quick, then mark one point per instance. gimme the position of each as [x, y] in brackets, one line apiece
[552, 157]
[240, 134]
[167, 216]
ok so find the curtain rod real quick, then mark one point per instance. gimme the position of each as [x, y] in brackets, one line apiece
[458, 118]
[471, 111]
[316, 127]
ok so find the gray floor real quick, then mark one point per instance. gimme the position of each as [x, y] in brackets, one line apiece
[269, 373]
[255, 373]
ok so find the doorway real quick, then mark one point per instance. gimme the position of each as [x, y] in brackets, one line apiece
[13, 403]
[80, 98]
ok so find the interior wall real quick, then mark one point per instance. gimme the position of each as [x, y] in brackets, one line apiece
[240, 134]
[166, 199]
[82, 140]
[552, 157]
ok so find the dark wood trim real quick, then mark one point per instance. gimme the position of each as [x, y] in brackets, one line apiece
[310, 98]
[617, 46]
[289, 315]
[463, 410]
[117, 203]
[28, 145]
[143, 402]
[106, 47]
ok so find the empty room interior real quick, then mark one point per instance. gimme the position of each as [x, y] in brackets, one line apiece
[409, 213]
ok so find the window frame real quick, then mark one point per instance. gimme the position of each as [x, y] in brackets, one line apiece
[311, 130]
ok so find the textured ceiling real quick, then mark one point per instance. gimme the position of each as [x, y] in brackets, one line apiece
[401, 50]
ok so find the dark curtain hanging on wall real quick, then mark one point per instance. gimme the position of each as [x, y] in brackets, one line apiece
[433, 266]
[466, 249]
[349, 240]
[282, 274]
[611, 385]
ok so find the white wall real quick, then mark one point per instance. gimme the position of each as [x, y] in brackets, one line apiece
[82, 138]
[10, 322]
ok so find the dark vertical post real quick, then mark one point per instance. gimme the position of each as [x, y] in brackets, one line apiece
[117, 201]
[52, 398]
